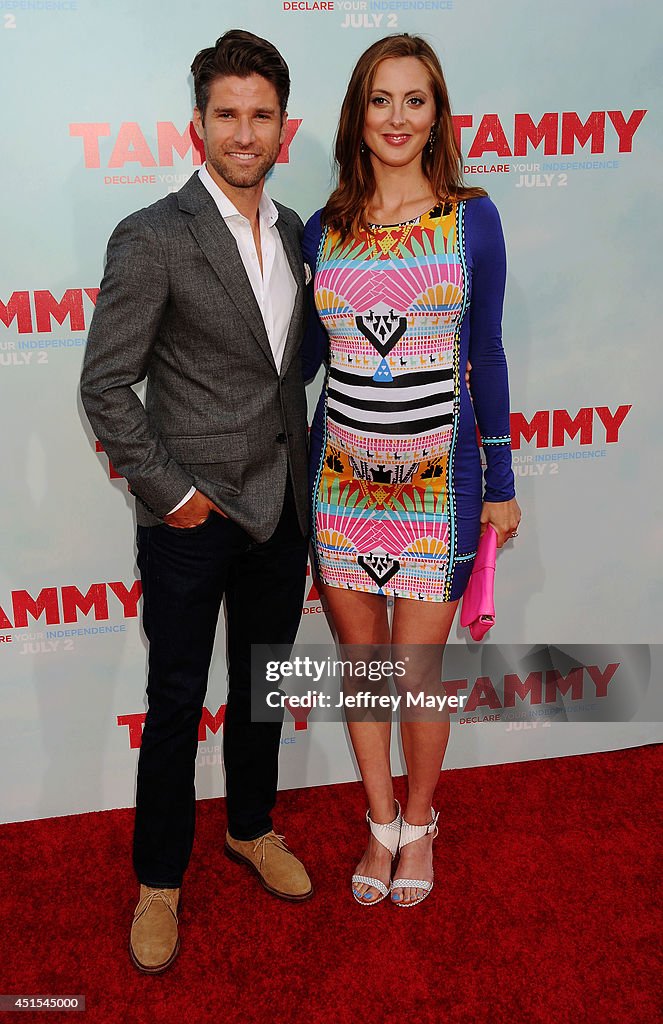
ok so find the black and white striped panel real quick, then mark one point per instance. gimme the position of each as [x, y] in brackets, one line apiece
[411, 404]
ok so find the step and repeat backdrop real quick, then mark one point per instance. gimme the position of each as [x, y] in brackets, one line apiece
[557, 107]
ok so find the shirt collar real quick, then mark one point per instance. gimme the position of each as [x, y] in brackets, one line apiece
[266, 208]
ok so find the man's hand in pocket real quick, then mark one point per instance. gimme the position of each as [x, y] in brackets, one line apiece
[193, 512]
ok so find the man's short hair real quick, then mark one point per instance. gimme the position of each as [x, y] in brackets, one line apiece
[241, 54]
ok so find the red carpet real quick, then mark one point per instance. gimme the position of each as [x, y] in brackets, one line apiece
[543, 911]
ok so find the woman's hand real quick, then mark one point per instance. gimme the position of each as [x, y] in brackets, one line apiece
[504, 516]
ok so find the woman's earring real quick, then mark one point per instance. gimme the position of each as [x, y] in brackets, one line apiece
[432, 139]
[362, 147]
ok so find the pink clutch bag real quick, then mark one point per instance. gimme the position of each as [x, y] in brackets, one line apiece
[478, 606]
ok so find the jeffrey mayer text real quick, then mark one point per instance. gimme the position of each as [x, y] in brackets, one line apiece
[363, 699]
[412, 700]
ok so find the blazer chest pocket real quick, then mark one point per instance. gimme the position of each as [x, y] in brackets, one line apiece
[217, 457]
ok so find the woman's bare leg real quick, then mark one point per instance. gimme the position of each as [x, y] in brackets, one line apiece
[419, 633]
[361, 624]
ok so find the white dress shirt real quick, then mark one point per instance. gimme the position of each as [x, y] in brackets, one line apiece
[275, 288]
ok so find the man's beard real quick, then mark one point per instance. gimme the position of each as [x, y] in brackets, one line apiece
[240, 177]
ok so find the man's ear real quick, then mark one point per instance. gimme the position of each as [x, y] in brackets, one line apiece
[198, 123]
[284, 121]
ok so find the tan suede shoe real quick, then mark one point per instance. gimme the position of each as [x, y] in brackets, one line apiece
[275, 865]
[154, 942]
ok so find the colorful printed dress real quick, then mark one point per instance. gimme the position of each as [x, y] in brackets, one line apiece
[396, 470]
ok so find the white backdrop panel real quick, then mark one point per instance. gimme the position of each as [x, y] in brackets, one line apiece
[97, 103]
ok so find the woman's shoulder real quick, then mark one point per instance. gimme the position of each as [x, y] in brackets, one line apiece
[481, 208]
[482, 229]
[315, 217]
[312, 235]
[314, 223]
[481, 216]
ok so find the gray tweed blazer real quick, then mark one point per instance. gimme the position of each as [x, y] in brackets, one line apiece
[176, 307]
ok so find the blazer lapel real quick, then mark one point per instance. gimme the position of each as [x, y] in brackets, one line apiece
[295, 259]
[220, 249]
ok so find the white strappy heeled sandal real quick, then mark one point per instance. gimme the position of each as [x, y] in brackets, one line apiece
[409, 834]
[388, 836]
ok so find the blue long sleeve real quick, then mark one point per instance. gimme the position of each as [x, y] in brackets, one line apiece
[489, 383]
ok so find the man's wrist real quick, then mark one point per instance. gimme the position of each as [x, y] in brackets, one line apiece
[189, 494]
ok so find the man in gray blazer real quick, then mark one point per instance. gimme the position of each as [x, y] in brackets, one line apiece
[203, 295]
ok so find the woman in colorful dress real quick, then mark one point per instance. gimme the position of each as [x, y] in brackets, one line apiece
[409, 284]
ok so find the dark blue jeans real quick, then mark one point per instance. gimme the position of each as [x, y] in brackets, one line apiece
[185, 576]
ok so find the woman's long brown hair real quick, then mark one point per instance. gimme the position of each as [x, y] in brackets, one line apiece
[346, 207]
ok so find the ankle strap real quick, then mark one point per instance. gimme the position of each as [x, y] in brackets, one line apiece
[388, 835]
[410, 833]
